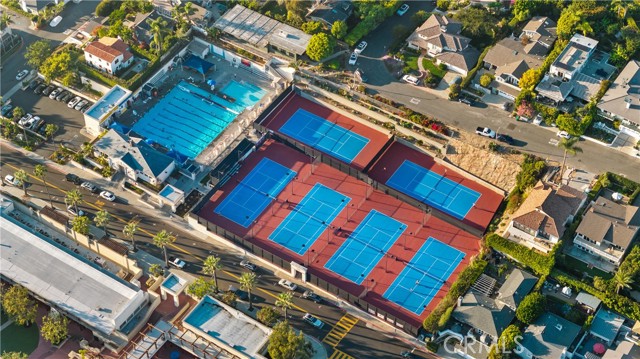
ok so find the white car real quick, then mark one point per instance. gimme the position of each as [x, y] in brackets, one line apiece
[21, 75]
[361, 46]
[55, 93]
[353, 58]
[56, 20]
[24, 120]
[410, 79]
[313, 320]
[74, 102]
[11, 180]
[403, 9]
[287, 284]
[108, 196]
[564, 134]
[89, 187]
[81, 104]
[32, 122]
[72, 210]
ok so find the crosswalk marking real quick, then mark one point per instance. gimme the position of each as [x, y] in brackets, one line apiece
[340, 330]
[337, 354]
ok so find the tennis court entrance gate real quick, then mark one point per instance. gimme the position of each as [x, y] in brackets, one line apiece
[299, 268]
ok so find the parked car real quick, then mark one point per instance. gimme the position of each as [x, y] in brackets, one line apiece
[61, 95]
[80, 104]
[410, 79]
[7, 110]
[25, 119]
[505, 138]
[72, 210]
[361, 46]
[248, 265]
[9, 179]
[507, 106]
[538, 120]
[89, 187]
[287, 284]
[108, 196]
[353, 58]
[563, 134]
[21, 75]
[240, 294]
[35, 83]
[309, 294]
[74, 102]
[465, 101]
[486, 132]
[35, 120]
[38, 125]
[403, 9]
[55, 93]
[56, 20]
[86, 107]
[38, 90]
[70, 177]
[177, 262]
[313, 320]
[48, 90]
[68, 96]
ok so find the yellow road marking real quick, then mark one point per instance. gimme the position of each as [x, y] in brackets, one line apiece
[337, 354]
[340, 330]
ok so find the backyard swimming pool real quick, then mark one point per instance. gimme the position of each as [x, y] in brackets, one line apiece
[189, 118]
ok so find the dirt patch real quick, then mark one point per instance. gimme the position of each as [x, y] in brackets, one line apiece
[471, 153]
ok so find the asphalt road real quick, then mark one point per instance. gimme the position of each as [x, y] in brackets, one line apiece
[360, 342]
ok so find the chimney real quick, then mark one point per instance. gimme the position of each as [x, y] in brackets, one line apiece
[627, 100]
[459, 301]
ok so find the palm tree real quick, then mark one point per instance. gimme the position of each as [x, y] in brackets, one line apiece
[569, 147]
[72, 198]
[285, 301]
[248, 282]
[40, 171]
[211, 266]
[187, 11]
[622, 279]
[158, 28]
[86, 149]
[80, 224]
[19, 113]
[50, 129]
[21, 177]
[130, 230]
[162, 239]
[5, 20]
[585, 28]
[102, 219]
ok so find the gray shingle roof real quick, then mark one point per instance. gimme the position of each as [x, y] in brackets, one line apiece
[516, 287]
[484, 313]
[440, 31]
[609, 221]
[465, 60]
[549, 336]
[332, 11]
[625, 90]
[606, 324]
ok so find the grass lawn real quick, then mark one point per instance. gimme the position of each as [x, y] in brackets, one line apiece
[578, 266]
[435, 70]
[411, 62]
[334, 64]
[16, 338]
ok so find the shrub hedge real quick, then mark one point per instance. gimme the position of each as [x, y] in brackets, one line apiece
[471, 74]
[540, 263]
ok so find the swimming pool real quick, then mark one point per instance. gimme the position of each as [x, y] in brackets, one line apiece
[189, 118]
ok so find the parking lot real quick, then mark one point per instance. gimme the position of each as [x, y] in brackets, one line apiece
[69, 121]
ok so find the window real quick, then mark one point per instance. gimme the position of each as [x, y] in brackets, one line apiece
[117, 60]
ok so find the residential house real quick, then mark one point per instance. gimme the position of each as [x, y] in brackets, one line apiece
[622, 99]
[588, 302]
[330, 11]
[200, 18]
[439, 36]
[489, 313]
[137, 159]
[35, 6]
[541, 219]
[624, 350]
[165, 7]
[577, 71]
[86, 31]
[606, 233]
[513, 56]
[549, 337]
[606, 325]
[108, 54]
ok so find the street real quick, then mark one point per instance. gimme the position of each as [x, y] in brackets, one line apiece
[362, 341]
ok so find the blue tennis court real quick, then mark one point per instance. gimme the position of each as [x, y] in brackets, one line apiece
[433, 189]
[254, 193]
[424, 275]
[362, 251]
[324, 135]
[309, 219]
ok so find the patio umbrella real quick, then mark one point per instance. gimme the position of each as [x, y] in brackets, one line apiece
[616, 196]
[211, 82]
[599, 348]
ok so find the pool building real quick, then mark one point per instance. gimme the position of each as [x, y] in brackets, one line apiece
[228, 328]
[100, 114]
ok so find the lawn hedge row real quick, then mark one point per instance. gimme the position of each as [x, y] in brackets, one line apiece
[540, 263]
[471, 74]
[616, 302]
[467, 277]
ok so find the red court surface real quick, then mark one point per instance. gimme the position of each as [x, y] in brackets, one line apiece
[420, 227]
[293, 102]
[479, 216]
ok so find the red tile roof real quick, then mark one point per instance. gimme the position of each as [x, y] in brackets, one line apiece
[109, 50]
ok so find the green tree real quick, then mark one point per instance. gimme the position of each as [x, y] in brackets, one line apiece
[339, 29]
[201, 287]
[129, 231]
[531, 307]
[507, 340]
[248, 282]
[267, 316]
[284, 343]
[284, 301]
[156, 270]
[443, 4]
[567, 122]
[50, 129]
[568, 145]
[420, 16]
[312, 27]
[55, 328]
[485, 80]
[522, 9]
[80, 224]
[86, 149]
[158, 29]
[584, 28]
[529, 79]
[40, 171]
[56, 65]
[21, 177]
[73, 198]
[622, 280]
[19, 113]
[210, 266]
[14, 355]
[454, 91]
[477, 23]
[102, 219]
[320, 46]
[19, 306]
[161, 240]
[5, 20]
[37, 53]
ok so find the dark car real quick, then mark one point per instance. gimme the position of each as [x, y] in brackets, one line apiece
[35, 83]
[48, 90]
[38, 90]
[68, 96]
[311, 296]
[70, 177]
[241, 294]
[505, 138]
[61, 95]
[248, 265]
[37, 125]
[7, 110]
[465, 101]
